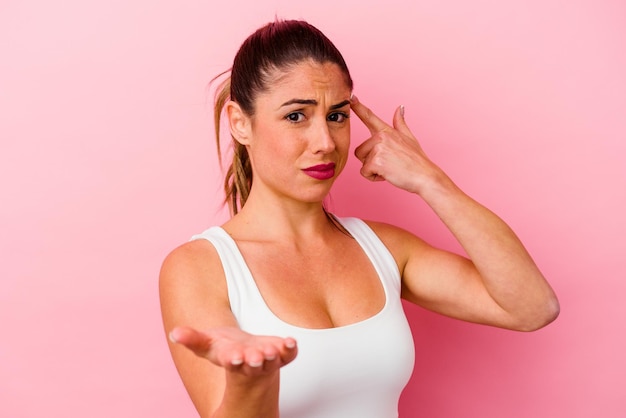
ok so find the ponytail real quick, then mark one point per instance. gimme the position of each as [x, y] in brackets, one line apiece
[238, 178]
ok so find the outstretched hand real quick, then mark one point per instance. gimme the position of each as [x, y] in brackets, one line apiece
[393, 153]
[236, 350]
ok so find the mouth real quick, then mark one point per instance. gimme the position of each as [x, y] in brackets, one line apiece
[321, 171]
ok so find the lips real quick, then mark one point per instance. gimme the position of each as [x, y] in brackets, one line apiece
[321, 171]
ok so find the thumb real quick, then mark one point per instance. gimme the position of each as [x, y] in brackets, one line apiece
[196, 341]
[399, 123]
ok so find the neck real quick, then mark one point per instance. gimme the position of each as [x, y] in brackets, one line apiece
[281, 219]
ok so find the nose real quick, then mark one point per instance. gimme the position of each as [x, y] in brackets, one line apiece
[323, 140]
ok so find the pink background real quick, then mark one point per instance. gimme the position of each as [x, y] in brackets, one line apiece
[107, 163]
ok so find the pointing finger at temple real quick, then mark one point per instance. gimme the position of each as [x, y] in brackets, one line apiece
[371, 121]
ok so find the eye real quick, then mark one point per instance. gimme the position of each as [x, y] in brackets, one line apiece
[338, 117]
[295, 117]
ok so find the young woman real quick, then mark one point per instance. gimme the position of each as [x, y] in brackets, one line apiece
[286, 310]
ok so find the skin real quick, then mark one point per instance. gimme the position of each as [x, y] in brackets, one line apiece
[230, 373]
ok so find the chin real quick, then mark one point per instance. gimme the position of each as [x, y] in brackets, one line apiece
[319, 197]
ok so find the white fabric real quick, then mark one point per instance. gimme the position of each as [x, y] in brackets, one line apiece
[358, 370]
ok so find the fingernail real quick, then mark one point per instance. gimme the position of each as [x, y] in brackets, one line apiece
[402, 110]
[171, 337]
[236, 361]
[353, 98]
[290, 344]
[255, 363]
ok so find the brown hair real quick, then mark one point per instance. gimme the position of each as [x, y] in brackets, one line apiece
[275, 46]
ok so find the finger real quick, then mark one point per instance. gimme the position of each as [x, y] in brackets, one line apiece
[271, 358]
[371, 121]
[362, 151]
[290, 350]
[370, 174]
[365, 153]
[270, 353]
[254, 357]
[290, 343]
[201, 345]
[196, 341]
[270, 350]
[236, 359]
[399, 123]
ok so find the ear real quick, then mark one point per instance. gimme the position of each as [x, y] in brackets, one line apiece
[240, 124]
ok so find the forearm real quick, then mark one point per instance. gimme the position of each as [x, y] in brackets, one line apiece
[502, 271]
[506, 269]
[249, 397]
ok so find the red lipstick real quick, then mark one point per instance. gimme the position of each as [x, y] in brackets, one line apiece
[321, 171]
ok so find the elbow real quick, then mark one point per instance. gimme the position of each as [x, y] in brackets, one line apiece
[541, 317]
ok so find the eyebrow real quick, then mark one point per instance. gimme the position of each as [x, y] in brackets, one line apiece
[340, 104]
[314, 103]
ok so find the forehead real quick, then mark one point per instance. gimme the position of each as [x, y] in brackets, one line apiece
[306, 80]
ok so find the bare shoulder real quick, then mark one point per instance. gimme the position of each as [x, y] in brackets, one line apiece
[190, 260]
[192, 285]
[385, 229]
[393, 236]
[400, 242]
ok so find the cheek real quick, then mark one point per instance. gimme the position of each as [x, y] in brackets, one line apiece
[266, 141]
[344, 137]
[343, 145]
[271, 146]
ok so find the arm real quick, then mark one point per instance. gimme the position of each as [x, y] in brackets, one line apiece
[227, 372]
[498, 285]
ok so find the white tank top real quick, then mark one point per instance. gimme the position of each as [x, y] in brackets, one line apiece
[353, 371]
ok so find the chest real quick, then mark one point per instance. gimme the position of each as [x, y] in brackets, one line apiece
[326, 287]
[354, 371]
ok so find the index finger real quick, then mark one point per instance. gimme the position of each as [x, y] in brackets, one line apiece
[373, 122]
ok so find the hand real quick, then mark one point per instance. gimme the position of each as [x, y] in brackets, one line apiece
[393, 154]
[236, 350]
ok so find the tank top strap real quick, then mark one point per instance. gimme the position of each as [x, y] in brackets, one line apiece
[377, 252]
[242, 291]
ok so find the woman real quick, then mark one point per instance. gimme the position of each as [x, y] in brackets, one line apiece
[287, 310]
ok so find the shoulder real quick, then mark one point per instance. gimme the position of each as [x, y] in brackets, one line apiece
[401, 243]
[195, 257]
[191, 277]
[393, 235]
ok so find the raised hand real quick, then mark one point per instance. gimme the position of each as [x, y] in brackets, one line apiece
[236, 350]
[393, 153]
